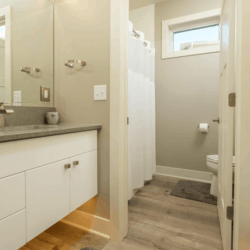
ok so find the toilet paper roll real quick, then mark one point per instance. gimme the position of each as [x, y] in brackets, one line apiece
[203, 127]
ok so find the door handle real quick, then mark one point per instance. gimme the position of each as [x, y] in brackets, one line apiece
[75, 163]
[217, 120]
[67, 166]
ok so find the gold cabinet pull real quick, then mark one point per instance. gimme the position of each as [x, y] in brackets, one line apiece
[67, 166]
[75, 163]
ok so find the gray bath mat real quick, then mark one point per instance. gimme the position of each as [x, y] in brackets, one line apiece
[89, 248]
[195, 191]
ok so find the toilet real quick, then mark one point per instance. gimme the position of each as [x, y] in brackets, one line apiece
[212, 163]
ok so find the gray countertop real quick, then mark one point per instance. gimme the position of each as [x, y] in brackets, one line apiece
[16, 133]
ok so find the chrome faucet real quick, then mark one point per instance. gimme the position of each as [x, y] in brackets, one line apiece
[4, 111]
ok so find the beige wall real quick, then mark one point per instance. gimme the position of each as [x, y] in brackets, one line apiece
[82, 31]
[135, 4]
[32, 46]
[144, 21]
[187, 93]
[2, 69]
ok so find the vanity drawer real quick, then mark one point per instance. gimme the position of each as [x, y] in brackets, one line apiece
[57, 148]
[13, 231]
[12, 193]
[21, 156]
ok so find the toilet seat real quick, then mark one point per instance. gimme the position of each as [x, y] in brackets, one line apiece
[215, 159]
[212, 163]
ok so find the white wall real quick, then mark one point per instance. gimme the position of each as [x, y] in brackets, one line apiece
[144, 20]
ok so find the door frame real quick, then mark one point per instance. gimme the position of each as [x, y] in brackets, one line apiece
[119, 130]
[118, 119]
[242, 133]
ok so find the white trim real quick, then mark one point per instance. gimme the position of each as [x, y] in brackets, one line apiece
[183, 23]
[205, 177]
[6, 11]
[118, 119]
[192, 52]
[2, 42]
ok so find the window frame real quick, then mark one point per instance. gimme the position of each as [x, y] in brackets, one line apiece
[185, 23]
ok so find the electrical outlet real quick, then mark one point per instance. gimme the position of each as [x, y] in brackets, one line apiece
[16, 103]
[100, 93]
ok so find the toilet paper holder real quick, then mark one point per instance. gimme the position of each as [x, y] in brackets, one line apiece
[199, 126]
[203, 128]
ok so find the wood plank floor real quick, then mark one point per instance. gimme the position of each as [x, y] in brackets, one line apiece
[65, 237]
[157, 221]
[160, 221]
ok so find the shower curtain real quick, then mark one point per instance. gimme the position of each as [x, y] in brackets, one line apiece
[142, 151]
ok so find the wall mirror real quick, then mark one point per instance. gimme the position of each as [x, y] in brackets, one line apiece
[26, 52]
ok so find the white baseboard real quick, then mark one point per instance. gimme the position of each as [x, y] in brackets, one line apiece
[92, 223]
[205, 177]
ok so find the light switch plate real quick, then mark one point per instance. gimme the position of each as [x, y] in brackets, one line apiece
[45, 94]
[17, 96]
[100, 93]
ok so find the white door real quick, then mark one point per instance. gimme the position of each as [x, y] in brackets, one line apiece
[83, 178]
[226, 125]
[47, 196]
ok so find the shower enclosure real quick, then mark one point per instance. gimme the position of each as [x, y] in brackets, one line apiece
[141, 108]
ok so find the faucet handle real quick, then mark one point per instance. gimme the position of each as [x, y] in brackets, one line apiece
[5, 111]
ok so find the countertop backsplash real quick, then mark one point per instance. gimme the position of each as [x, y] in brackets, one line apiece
[24, 116]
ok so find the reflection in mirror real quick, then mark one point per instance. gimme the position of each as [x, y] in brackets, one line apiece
[30, 27]
[2, 59]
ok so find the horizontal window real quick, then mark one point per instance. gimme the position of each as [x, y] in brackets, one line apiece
[196, 38]
[2, 32]
[191, 35]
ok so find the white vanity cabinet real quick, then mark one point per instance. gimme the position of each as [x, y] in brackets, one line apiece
[12, 212]
[83, 178]
[13, 231]
[47, 197]
[59, 175]
[12, 195]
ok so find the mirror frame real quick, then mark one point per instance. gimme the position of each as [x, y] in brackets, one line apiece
[6, 11]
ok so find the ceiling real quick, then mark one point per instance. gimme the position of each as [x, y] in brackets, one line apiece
[135, 4]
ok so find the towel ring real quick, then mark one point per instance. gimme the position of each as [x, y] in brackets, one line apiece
[70, 63]
[28, 69]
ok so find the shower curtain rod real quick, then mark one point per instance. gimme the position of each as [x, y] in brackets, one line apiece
[137, 35]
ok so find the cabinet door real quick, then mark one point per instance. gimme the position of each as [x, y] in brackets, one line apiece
[13, 231]
[47, 197]
[83, 178]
